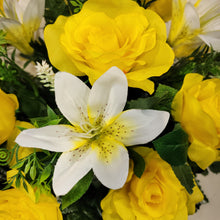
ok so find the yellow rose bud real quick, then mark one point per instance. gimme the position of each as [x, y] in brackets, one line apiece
[111, 33]
[22, 151]
[9, 104]
[162, 7]
[196, 107]
[157, 195]
[16, 204]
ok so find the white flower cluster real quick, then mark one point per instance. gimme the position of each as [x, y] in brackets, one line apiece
[46, 74]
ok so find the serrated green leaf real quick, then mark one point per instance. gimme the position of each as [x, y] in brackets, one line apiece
[173, 146]
[33, 172]
[78, 190]
[46, 173]
[185, 176]
[139, 163]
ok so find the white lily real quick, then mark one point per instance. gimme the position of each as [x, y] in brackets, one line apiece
[194, 23]
[99, 132]
[23, 21]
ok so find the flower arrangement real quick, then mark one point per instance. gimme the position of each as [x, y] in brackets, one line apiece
[109, 109]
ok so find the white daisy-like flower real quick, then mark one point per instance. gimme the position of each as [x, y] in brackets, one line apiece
[99, 131]
[23, 21]
[194, 23]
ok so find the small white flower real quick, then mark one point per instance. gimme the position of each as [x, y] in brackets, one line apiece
[46, 74]
[194, 23]
[23, 21]
[99, 132]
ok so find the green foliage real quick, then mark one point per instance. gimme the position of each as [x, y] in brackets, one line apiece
[215, 167]
[185, 176]
[161, 100]
[139, 163]
[173, 146]
[203, 61]
[78, 190]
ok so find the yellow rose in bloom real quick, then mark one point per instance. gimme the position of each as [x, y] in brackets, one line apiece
[111, 33]
[22, 151]
[17, 204]
[9, 104]
[157, 195]
[197, 107]
[162, 7]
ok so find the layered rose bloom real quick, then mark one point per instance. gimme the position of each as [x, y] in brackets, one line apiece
[9, 104]
[111, 33]
[197, 107]
[157, 195]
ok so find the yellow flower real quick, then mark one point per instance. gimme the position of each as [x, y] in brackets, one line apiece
[23, 151]
[9, 104]
[157, 195]
[162, 7]
[21, 20]
[1, 5]
[194, 23]
[111, 33]
[196, 107]
[17, 204]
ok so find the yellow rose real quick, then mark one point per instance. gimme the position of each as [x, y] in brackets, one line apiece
[111, 33]
[162, 7]
[15, 204]
[9, 104]
[22, 151]
[157, 195]
[197, 107]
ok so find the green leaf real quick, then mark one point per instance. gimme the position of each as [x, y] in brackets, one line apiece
[173, 146]
[215, 167]
[27, 167]
[51, 114]
[139, 163]
[33, 172]
[78, 190]
[46, 173]
[18, 165]
[25, 186]
[185, 176]
[18, 182]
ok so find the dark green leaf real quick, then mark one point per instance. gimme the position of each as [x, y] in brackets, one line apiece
[18, 182]
[185, 176]
[173, 146]
[139, 163]
[25, 186]
[215, 167]
[78, 190]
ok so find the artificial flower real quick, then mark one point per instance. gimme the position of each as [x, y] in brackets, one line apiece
[9, 104]
[21, 20]
[196, 107]
[99, 132]
[111, 33]
[22, 151]
[194, 23]
[161, 7]
[157, 195]
[17, 204]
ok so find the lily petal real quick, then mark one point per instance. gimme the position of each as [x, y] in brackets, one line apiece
[57, 138]
[138, 126]
[71, 97]
[108, 95]
[112, 169]
[70, 168]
